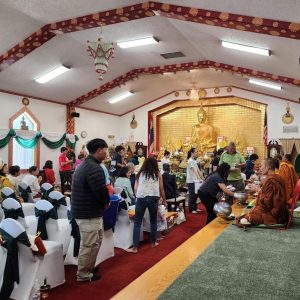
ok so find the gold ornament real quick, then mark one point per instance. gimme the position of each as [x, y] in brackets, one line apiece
[287, 118]
[25, 101]
[133, 123]
[216, 91]
[202, 93]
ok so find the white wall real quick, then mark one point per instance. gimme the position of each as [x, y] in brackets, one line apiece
[140, 134]
[97, 125]
[276, 109]
[52, 118]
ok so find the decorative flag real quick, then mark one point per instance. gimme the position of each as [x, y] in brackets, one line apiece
[265, 137]
[151, 135]
[101, 52]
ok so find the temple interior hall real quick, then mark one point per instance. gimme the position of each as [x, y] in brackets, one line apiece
[149, 149]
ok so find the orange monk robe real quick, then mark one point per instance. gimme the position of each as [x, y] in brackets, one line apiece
[270, 207]
[290, 178]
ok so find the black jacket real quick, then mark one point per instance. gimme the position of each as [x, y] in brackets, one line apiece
[89, 192]
[170, 187]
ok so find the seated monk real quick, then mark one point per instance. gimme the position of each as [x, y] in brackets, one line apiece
[270, 207]
[289, 176]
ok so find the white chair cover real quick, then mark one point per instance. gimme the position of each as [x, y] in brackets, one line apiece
[62, 211]
[11, 203]
[124, 230]
[52, 264]
[28, 264]
[43, 205]
[106, 250]
[58, 230]
[29, 222]
[7, 191]
[32, 267]
[28, 209]
[24, 186]
[46, 186]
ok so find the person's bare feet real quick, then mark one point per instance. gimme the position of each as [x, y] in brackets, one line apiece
[155, 244]
[131, 250]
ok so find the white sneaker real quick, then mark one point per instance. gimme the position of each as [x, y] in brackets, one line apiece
[194, 212]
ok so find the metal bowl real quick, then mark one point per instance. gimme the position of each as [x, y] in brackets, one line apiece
[222, 209]
[242, 199]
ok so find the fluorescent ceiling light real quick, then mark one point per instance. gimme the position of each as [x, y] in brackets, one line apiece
[52, 74]
[138, 42]
[245, 48]
[266, 84]
[120, 97]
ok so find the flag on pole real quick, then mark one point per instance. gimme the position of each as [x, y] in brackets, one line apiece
[265, 137]
[151, 134]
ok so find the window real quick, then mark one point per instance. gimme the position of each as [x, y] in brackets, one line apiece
[25, 158]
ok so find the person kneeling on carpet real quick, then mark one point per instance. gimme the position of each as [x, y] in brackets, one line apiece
[270, 205]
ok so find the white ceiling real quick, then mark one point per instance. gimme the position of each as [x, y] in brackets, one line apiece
[19, 18]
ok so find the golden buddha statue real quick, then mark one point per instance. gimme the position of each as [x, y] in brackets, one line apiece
[203, 135]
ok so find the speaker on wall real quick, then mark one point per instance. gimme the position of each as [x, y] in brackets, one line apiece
[75, 114]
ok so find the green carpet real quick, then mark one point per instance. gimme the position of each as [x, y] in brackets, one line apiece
[258, 264]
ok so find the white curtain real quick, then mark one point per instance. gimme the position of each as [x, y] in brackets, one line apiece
[22, 157]
[3, 133]
[52, 136]
[26, 134]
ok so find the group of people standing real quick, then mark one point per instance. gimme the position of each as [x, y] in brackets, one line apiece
[90, 196]
[90, 193]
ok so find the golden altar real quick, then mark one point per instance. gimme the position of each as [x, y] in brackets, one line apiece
[184, 124]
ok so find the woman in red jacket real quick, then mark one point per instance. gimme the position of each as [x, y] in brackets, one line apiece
[49, 173]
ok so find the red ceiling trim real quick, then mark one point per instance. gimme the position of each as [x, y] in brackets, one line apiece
[228, 20]
[138, 11]
[32, 97]
[25, 47]
[114, 16]
[100, 111]
[49, 31]
[182, 67]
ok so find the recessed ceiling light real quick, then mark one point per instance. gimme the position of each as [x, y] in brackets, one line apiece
[52, 74]
[120, 97]
[245, 48]
[138, 42]
[266, 84]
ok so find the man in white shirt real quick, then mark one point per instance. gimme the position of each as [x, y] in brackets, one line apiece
[13, 177]
[165, 160]
[193, 174]
[32, 180]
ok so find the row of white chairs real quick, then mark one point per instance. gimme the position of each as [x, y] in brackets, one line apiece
[59, 241]
[32, 267]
